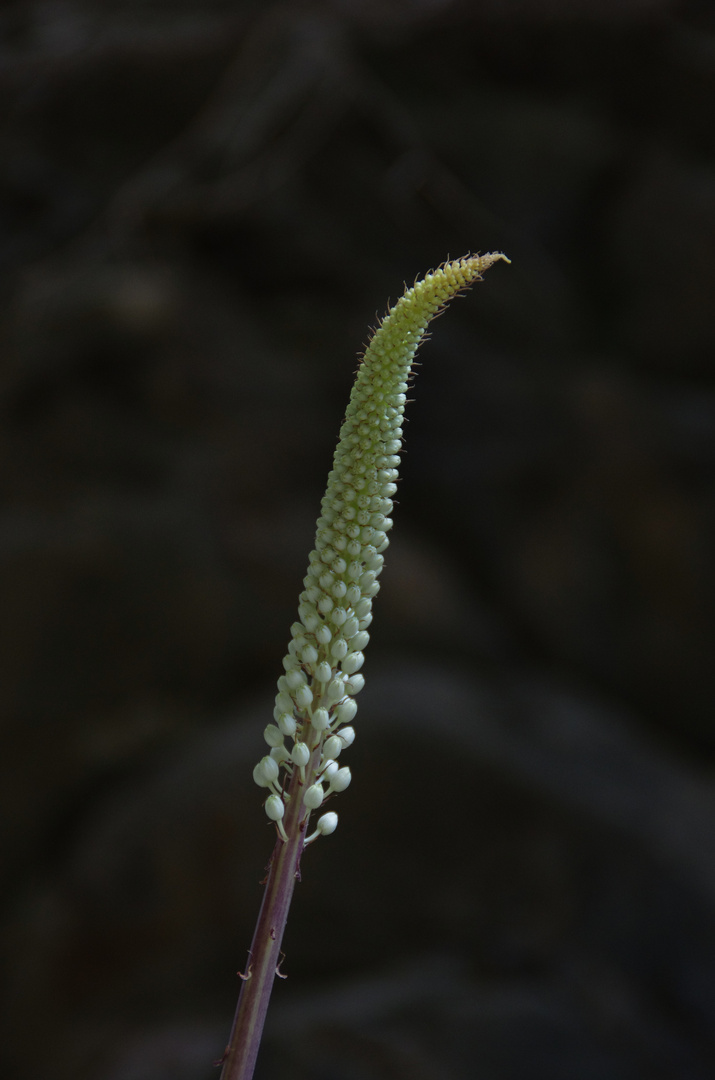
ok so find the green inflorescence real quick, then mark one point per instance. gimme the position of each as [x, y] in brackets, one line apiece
[315, 702]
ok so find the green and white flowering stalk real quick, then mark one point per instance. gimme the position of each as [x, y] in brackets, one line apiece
[315, 705]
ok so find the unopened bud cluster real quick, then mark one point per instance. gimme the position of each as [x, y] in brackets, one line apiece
[315, 703]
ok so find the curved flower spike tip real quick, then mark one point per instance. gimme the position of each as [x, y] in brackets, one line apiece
[316, 693]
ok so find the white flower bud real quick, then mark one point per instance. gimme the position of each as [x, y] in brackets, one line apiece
[323, 672]
[280, 754]
[353, 663]
[325, 605]
[353, 595]
[321, 719]
[346, 711]
[333, 746]
[313, 796]
[294, 679]
[287, 724]
[330, 768]
[273, 735]
[300, 754]
[274, 807]
[363, 607]
[358, 643]
[309, 654]
[269, 769]
[303, 697]
[341, 779]
[284, 702]
[339, 648]
[323, 635]
[327, 823]
[335, 690]
[338, 616]
[354, 684]
[351, 628]
[258, 776]
[346, 736]
[364, 623]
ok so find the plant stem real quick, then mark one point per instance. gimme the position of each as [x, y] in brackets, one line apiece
[265, 952]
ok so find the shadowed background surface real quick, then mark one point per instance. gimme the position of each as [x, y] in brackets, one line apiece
[203, 206]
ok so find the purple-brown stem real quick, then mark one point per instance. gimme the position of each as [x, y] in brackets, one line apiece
[264, 956]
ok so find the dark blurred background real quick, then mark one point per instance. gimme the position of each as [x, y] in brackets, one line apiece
[203, 206]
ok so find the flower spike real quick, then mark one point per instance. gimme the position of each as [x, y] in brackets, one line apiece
[315, 698]
[315, 704]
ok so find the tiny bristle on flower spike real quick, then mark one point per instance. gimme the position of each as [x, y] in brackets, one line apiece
[323, 667]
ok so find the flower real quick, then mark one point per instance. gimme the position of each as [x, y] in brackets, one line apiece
[315, 699]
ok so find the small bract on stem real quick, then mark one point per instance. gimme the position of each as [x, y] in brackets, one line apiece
[315, 704]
